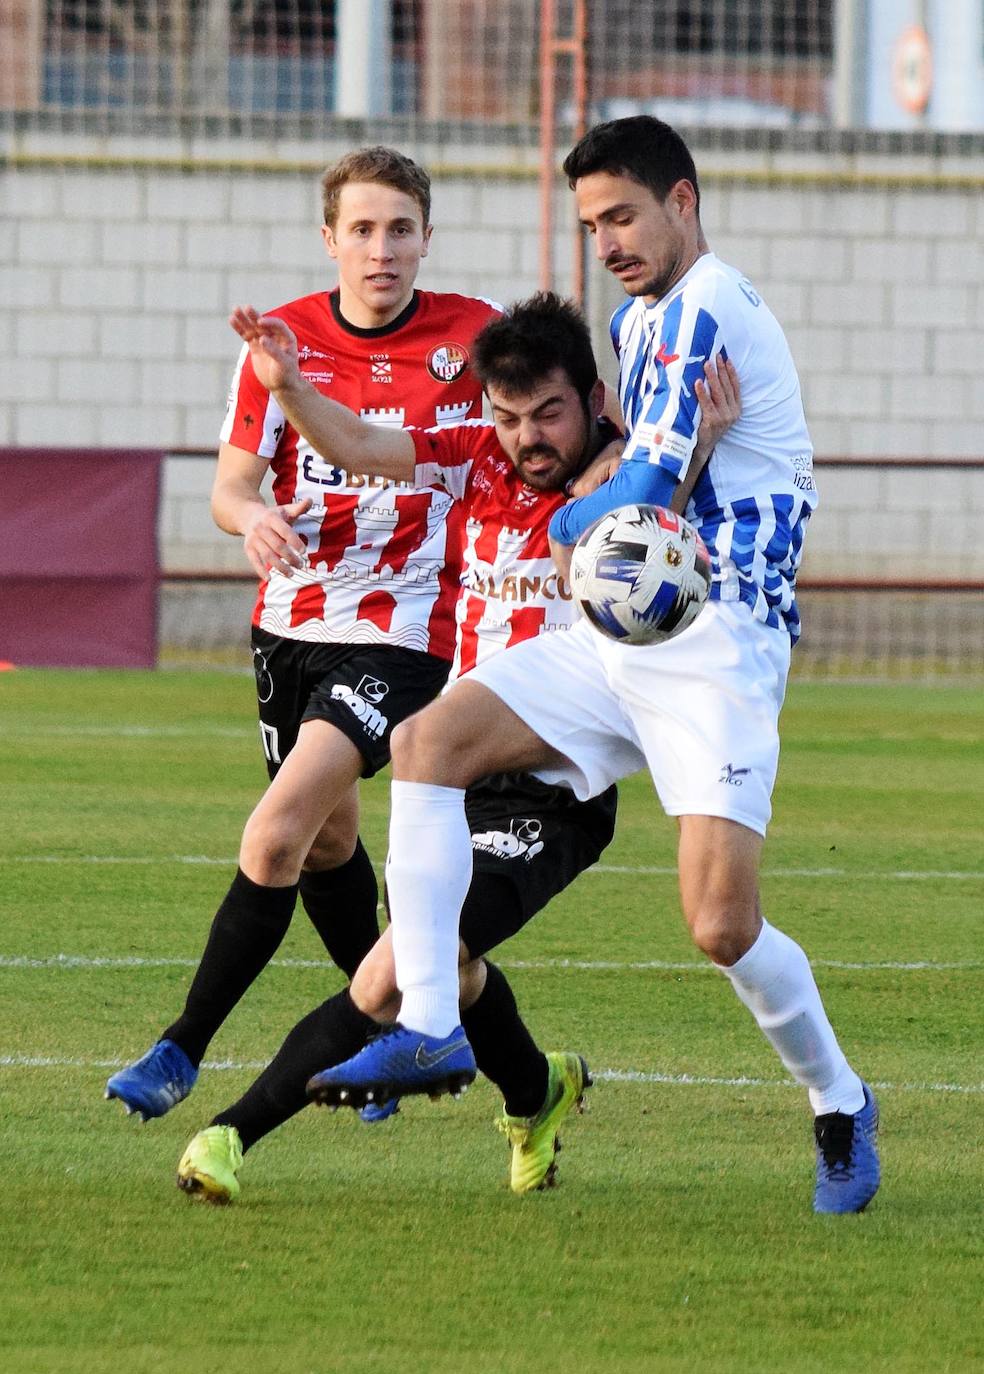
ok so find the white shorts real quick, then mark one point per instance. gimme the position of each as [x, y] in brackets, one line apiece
[701, 711]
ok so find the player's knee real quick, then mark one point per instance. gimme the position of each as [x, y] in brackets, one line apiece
[374, 989]
[270, 853]
[724, 932]
[425, 749]
[471, 981]
[330, 849]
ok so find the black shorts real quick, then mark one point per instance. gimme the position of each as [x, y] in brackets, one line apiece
[529, 840]
[362, 689]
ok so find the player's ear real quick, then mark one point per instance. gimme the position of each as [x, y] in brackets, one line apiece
[596, 399]
[425, 247]
[683, 196]
[328, 238]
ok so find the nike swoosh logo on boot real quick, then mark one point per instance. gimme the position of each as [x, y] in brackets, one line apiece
[428, 1060]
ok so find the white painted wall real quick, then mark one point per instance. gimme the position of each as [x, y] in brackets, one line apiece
[115, 282]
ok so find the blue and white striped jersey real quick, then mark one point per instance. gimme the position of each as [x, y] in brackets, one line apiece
[752, 502]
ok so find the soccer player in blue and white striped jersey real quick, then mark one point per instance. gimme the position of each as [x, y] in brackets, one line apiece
[752, 502]
[701, 710]
[637, 194]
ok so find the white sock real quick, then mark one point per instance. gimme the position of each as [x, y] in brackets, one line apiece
[776, 984]
[428, 871]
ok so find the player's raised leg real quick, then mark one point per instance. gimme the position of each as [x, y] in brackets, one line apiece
[459, 738]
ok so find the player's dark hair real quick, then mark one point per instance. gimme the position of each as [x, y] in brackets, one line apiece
[641, 147]
[533, 337]
[383, 165]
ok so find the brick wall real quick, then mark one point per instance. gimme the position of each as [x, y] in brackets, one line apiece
[115, 281]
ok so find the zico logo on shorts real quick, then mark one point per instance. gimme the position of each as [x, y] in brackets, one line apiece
[373, 721]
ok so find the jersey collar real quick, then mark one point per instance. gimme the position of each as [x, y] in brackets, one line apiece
[405, 315]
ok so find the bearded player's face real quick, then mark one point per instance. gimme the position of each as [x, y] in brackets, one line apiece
[544, 431]
[648, 244]
[378, 240]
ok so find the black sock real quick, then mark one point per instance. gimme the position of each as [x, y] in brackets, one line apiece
[334, 1031]
[341, 903]
[504, 1049]
[245, 935]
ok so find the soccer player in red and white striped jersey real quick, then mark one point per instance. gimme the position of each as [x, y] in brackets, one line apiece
[354, 622]
[376, 566]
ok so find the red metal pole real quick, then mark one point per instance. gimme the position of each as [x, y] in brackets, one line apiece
[580, 74]
[548, 19]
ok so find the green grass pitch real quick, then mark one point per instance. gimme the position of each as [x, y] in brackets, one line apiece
[680, 1237]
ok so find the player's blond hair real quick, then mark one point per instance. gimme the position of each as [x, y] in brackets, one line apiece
[383, 165]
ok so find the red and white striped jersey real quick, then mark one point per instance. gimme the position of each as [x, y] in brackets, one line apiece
[510, 588]
[382, 563]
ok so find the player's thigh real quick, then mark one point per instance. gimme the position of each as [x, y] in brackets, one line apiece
[557, 685]
[718, 863]
[464, 734]
[706, 710]
[370, 691]
[318, 774]
[529, 841]
[335, 842]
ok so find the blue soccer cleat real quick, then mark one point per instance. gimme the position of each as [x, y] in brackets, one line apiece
[398, 1063]
[156, 1083]
[848, 1171]
[372, 1113]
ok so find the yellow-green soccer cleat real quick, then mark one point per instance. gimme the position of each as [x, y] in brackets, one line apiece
[534, 1139]
[208, 1167]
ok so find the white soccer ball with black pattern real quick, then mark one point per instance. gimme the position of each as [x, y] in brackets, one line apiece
[640, 574]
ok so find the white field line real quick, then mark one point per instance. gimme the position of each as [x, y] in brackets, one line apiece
[133, 732]
[897, 875]
[676, 1080]
[136, 961]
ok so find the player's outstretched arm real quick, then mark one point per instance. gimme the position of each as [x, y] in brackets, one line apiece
[335, 432]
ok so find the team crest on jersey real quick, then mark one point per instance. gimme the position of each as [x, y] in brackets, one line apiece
[447, 362]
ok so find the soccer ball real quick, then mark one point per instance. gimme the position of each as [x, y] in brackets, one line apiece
[640, 574]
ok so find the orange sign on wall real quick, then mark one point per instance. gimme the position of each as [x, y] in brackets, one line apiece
[912, 69]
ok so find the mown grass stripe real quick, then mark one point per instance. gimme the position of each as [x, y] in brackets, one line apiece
[600, 870]
[113, 961]
[674, 1080]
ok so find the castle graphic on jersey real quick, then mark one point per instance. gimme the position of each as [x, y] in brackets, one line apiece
[393, 418]
[451, 414]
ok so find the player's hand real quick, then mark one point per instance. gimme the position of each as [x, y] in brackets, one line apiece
[271, 543]
[561, 555]
[272, 347]
[603, 466]
[719, 395]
